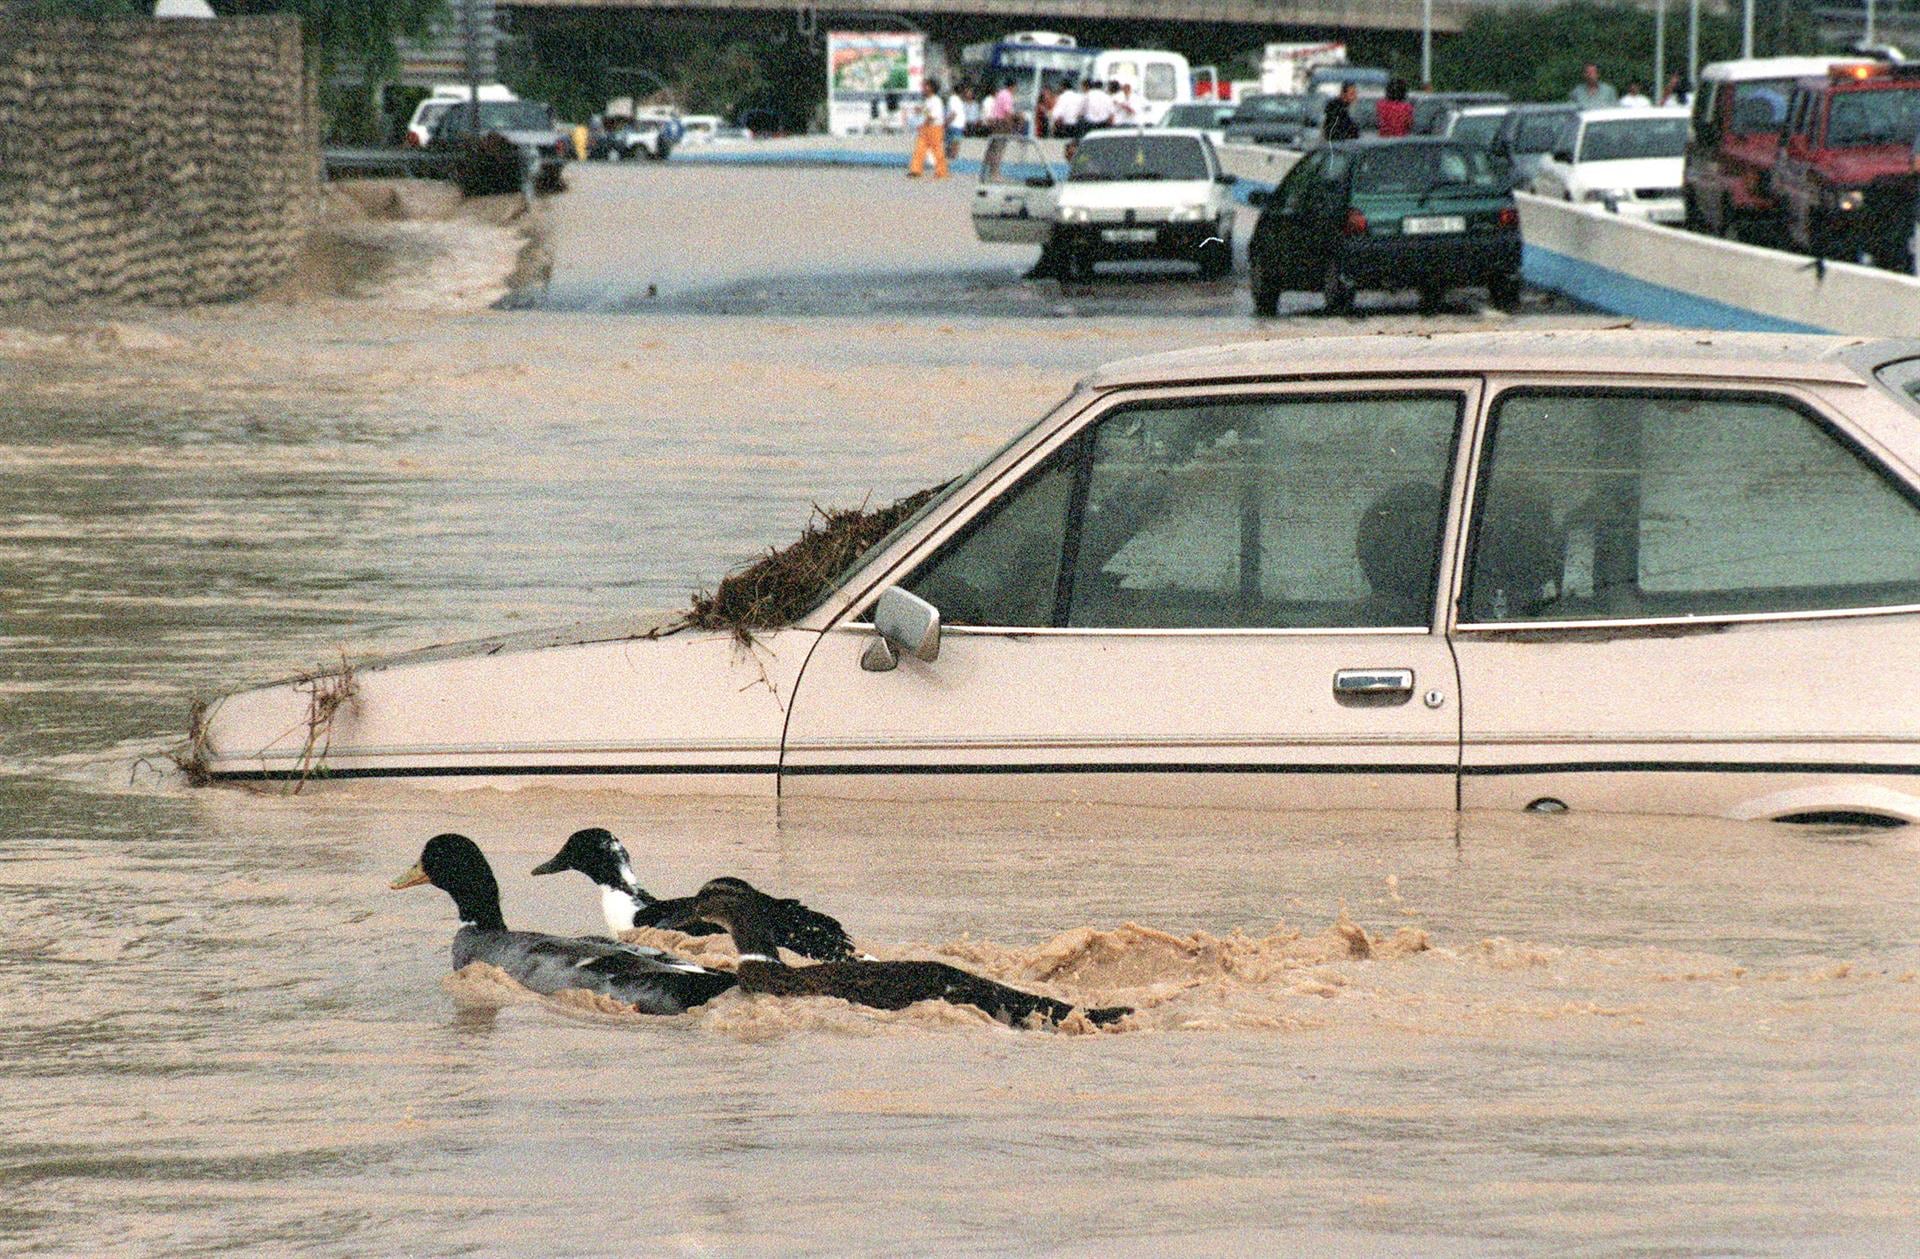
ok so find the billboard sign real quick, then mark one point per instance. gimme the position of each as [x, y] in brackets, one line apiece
[868, 68]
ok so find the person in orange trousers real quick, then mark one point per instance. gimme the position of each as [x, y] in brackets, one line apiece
[931, 138]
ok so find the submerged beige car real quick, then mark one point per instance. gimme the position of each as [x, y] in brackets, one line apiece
[1627, 570]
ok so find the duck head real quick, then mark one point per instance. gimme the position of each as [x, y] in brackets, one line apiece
[595, 853]
[746, 914]
[454, 864]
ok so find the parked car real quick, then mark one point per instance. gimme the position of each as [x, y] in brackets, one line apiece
[1476, 125]
[1369, 81]
[1287, 122]
[1529, 133]
[528, 125]
[1628, 159]
[1635, 570]
[441, 98]
[1208, 117]
[1387, 214]
[1128, 193]
[1431, 109]
[651, 136]
[1738, 113]
[1844, 177]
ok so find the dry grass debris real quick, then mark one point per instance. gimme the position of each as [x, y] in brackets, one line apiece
[785, 584]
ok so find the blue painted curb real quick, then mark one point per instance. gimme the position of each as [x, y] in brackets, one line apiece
[1621, 294]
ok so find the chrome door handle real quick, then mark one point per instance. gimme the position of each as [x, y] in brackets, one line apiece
[1373, 682]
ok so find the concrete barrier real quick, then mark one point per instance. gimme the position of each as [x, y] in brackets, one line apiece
[1660, 273]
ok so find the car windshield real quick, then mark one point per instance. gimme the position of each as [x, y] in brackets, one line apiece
[1759, 105]
[1539, 133]
[501, 116]
[1139, 157]
[1475, 129]
[1273, 109]
[1882, 116]
[1627, 138]
[1421, 168]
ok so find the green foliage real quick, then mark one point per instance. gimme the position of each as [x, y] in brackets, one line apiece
[1537, 54]
[360, 35]
[89, 8]
[722, 80]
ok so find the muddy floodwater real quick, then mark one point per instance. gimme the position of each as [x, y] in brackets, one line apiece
[1358, 1034]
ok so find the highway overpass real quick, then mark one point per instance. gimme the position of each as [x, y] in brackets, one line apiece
[1379, 15]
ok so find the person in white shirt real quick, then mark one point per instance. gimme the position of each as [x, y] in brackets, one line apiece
[930, 140]
[956, 121]
[1069, 109]
[1124, 112]
[1098, 111]
[1635, 97]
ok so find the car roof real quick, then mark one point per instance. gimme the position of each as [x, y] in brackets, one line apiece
[1613, 113]
[1614, 351]
[1774, 67]
[1146, 129]
[1481, 108]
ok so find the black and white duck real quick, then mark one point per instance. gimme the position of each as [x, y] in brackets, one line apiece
[596, 853]
[651, 981]
[748, 915]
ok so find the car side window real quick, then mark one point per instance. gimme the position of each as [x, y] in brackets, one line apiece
[1005, 568]
[1609, 505]
[1298, 183]
[1296, 512]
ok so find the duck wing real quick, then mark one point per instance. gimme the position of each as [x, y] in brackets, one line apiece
[659, 913]
[809, 932]
[651, 981]
[897, 985]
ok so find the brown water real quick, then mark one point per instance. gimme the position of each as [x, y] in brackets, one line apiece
[219, 1031]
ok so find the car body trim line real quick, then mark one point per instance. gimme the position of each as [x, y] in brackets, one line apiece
[1668, 622]
[474, 771]
[1120, 767]
[1690, 767]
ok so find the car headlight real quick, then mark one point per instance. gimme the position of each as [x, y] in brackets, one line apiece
[1075, 214]
[1850, 198]
[1187, 214]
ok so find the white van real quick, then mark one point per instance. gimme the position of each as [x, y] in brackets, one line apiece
[1160, 80]
[443, 97]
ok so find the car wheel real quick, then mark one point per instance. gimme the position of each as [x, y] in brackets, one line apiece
[1266, 292]
[1080, 264]
[1335, 289]
[1504, 291]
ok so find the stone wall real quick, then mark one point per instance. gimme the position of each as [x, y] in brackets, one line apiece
[163, 162]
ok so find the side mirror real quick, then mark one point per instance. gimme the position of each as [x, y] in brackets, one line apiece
[1259, 198]
[1226, 179]
[905, 622]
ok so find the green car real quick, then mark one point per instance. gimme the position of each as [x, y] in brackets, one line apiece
[1403, 213]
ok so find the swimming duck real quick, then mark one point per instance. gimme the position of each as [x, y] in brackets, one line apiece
[748, 915]
[595, 853]
[651, 981]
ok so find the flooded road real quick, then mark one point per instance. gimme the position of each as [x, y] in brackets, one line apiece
[1366, 1034]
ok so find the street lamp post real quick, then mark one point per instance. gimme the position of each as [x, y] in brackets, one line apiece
[1746, 30]
[1426, 43]
[1693, 46]
[1659, 50]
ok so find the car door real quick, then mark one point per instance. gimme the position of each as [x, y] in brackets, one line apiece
[1688, 600]
[1217, 596]
[1276, 233]
[1018, 190]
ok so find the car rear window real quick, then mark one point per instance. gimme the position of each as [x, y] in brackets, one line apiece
[503, 116]
[1759, 105]
[1885, 116]
[1626, 138]
[1139, 157]
[1418, 168]
[1476, 129]
[1274, 109]
[1540, 132]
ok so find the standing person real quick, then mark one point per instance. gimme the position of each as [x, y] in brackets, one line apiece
[1069, 109]
[1396, 112]
[1125, 112]
[1337, 123]
[956, 120]
[930, 139]
[1003, 106]
[1043, 112]
[1098, 111]
[1676, 93]
[1590, 92]
[1635, 97]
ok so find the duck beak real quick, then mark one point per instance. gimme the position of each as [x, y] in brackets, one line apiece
[414, 877]
[552, 865]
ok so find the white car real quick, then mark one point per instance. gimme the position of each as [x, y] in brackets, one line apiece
[443, 97]
[1633, 570]
[1129, 193]
[1630, 159]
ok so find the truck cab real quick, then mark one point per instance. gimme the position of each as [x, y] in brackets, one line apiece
[1738, 113]
[1843, 179]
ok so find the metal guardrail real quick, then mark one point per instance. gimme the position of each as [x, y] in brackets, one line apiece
[371, 163]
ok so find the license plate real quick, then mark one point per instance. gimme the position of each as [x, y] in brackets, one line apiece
[1130, 234]
[1434, 225]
